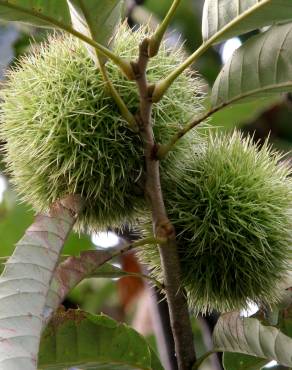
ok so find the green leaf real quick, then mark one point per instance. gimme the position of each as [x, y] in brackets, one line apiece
[260, 67]
[44, 13]
[77, 338]
[223, 19]
[247, 335]
[96, 19]
[155, 362]
[35, 11]
[25, 282]
[238, 361]
[74, 269]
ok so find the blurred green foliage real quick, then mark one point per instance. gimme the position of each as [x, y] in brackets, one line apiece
[238, 115]
[15, 217]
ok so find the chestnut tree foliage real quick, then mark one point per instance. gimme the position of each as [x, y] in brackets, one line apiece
[104, 125]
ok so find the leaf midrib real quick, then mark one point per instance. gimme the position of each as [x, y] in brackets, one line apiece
[253, 92]
[236, 20]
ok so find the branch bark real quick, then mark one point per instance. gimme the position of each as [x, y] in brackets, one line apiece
[178, 308]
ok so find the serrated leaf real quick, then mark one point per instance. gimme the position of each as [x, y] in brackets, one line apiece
[31, 11]
[223, 19]
[260, 67]
[74, 269]
[247, 335]
[77, 338]
[69, 273]
[96, 19]
[25, 282]
[239, 361]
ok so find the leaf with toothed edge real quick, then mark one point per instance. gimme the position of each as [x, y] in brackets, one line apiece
[223, 19]
[71, 272]
[78, 338]
[239, 361]
[259, 68]
[25, 282]
[31, 11]
[248, 336]
[74, 269]
[96, 19]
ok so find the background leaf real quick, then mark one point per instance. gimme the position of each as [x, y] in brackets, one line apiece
[239, 361]
[27, 11]
[71, 272]
[77, 338]
[237, 115]
[96, 19]
[260, 67]
[17, 218]
[232, 18]
[246, 335]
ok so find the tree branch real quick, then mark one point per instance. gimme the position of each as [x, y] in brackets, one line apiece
[162, 328]
[178, 308]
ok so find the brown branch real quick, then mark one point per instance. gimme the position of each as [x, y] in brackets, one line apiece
[178, 308]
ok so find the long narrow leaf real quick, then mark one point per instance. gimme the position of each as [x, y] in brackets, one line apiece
[223, 19]
[239, 361]
[69, 273]
[91, 263]
[246, 335]
[77, 338]
[25, 282]
[260, 67]
[96, 19]
[27, 11]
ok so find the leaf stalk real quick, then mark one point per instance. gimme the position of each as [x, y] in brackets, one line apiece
[156, 38]
[163, 85]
